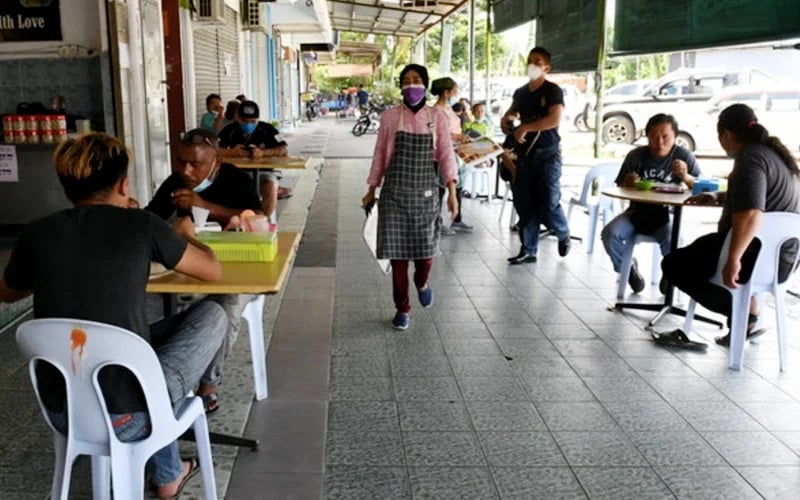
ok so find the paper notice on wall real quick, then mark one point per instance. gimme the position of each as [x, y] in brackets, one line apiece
[9, 170]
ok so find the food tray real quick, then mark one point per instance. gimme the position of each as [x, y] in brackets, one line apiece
[241, 247]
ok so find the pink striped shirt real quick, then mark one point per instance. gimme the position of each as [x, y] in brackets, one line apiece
[415, 124]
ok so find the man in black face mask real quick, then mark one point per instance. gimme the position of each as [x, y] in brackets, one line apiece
[248, 137]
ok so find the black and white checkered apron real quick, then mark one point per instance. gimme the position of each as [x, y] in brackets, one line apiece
[408, 209]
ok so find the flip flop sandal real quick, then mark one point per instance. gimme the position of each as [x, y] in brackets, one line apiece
[726, 339]
[194, 468]
[210, 403]
[676, 338]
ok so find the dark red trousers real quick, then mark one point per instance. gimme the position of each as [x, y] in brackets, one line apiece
[422, 270]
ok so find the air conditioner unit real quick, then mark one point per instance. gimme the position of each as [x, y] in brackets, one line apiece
[255, 16]
[210, 11]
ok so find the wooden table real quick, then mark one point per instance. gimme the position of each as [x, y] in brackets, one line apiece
[247, 278]
[675, 200]
[271, 162]
[256, 165]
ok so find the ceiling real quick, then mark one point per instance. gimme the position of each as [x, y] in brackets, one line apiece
[390, 17]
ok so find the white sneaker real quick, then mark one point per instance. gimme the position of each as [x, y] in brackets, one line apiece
[462, 226]
[448, 231]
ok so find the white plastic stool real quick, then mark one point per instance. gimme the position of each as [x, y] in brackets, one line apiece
[254, 315]
[506, 195]
[627, 260]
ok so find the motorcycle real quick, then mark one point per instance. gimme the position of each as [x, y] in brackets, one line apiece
[369, 121]
[312, 110]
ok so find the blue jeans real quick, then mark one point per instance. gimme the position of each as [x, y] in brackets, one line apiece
[185, 344]
[537, 196]
[620, 231]
[233, 305]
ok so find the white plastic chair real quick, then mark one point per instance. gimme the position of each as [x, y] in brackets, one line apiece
[90, 431]
[254, 315]
[775, 229]
[605, 173]
[627, 261]
[506, 196]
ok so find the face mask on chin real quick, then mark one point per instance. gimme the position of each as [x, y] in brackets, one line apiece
[534, 72]
[205, 183]
[413, 94]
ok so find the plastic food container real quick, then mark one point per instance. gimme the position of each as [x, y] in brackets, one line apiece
[241, 247]
[643, 185]
[705, 186]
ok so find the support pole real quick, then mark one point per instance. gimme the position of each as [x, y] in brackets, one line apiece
[471, 50]
[598, 81]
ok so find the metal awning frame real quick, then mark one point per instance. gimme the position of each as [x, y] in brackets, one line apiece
[382, 18]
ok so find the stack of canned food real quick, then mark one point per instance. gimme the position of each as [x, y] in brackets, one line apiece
[34, 129]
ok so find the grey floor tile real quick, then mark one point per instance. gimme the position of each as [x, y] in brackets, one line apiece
[631, 388]
[481, 366]
[471, 347]
[366, 483]
[521, 449]
[504, 416]
[426, 389]
[552, 483]
[363, 416]
[750, 390]
[751, 448]
[600, 367]
[449, 449]
[364, 448]
[790, 439]
[598, 449]
[592, 348]
[492, 389]
[542, 367]
[274, 416]
[775, 416]
[564, 389]
[363, 347]
[510, 330]
[660, 367]
[675, 448]
[420, 366]
[701, 483]
[433, 416]
[451, 483]
[352, 366]
[614, 483]
[692, 388]
[573, 331]
[638, 348]
[779, 483]
[576, 416]
[361, 388]
[716, 416]
[516, 316]
[645, 416]
[516, 347]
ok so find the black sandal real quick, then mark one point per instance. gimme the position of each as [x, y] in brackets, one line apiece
[752, 320]
[676, 338]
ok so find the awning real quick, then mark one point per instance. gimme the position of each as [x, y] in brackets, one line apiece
[391, 17]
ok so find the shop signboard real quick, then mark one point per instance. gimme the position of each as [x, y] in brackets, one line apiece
[30, 20]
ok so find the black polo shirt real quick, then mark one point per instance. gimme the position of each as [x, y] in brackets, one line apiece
[265, 136]
[533, 106]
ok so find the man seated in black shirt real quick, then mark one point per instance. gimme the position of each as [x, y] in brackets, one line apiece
[248, 137]
[92, 262]
[201, 179]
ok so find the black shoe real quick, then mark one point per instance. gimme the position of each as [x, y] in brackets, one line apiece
[751, 335]
[515, 228]
[663, 286]
[522, 258]
[635, 279]
[564, 246]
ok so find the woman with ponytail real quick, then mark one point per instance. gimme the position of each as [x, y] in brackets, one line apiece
[413, 150]
[765, 178]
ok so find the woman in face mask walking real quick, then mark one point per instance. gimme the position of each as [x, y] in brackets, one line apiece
[446, 90]
[413, 149]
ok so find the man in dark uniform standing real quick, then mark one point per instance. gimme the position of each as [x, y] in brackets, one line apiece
[537, 187]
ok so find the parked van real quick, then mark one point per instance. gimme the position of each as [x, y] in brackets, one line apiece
[683, 92]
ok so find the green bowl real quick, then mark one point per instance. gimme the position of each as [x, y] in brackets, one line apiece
[643, 185]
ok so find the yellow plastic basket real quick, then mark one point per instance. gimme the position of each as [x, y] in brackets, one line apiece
[241, 247]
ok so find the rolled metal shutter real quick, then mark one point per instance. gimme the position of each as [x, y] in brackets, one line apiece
[216, 61]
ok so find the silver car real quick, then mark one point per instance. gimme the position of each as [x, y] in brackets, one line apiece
[777, 107]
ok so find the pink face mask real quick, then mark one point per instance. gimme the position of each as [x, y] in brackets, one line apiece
[413, 94]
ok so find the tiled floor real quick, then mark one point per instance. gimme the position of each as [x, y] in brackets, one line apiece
[518, 383]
